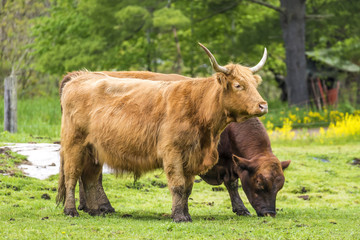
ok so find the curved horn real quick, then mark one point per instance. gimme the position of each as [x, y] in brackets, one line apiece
[214, 64]
[260, 64]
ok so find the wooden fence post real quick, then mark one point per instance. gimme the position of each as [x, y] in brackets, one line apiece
[10, 104]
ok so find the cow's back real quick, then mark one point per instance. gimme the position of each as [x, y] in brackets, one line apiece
[119, 119]
[146, 75]
[247, 139]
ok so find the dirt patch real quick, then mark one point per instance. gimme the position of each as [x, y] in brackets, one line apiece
[45, 196]
[5, 151]
[305, 197]
[217, 189]
[8, 160]
[158, 184]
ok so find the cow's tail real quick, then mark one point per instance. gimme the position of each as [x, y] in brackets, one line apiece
[60, 197]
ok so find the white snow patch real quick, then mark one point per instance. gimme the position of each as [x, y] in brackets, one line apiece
[44, 158]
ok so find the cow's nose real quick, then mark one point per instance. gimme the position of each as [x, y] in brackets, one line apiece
[263, 107]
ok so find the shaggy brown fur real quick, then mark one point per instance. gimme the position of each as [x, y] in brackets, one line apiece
[140, 125]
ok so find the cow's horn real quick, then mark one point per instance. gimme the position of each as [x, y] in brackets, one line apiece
[214, 64]
[260, 64]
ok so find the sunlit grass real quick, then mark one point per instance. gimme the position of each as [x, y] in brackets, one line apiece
[323, 173]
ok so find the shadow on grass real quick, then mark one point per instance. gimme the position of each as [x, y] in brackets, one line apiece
[141, 215]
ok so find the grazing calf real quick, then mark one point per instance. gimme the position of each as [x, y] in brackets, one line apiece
[140, 125]
[245, 153]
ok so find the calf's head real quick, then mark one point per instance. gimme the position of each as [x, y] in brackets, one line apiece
[240, 97]
[261, 178]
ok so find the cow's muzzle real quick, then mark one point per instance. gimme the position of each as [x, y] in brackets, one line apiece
[263, 108]
[266, 213]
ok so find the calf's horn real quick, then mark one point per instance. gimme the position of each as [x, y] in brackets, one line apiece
[260, 64]
[214, 64]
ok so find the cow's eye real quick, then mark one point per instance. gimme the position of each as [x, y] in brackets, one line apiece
[237, 86]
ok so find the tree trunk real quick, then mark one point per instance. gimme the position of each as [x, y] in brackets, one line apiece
[178, 60]
[10, 104]
[293, 28]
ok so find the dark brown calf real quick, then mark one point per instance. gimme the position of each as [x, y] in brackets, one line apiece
[245, 153]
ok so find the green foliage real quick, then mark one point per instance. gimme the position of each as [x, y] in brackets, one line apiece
[331, 211]
[16, 19]
[167, 18]
[132, 17]
[60, 36]
[335, 28]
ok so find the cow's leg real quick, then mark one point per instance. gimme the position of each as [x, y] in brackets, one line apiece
[180, 189]
[73, 158]
[82, 203]
[89, 178]
[188, 188]
[103, 201]
[236, 202]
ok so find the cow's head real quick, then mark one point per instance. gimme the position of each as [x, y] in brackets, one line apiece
[241, 99]
[261, 178]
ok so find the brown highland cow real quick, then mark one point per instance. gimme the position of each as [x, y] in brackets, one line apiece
[140, 125]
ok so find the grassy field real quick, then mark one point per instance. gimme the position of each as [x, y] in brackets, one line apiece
[323, 175]
[39, 120]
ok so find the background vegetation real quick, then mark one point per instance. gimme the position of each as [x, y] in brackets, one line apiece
[41, 40]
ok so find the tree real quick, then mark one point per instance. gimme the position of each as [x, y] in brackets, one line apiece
[16, 21]
[292, 16]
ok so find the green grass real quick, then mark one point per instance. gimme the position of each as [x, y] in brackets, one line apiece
[39, 120]
[143, 211]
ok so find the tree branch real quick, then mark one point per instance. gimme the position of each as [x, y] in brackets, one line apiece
[278, 9]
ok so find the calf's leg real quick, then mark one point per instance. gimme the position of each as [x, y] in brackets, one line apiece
[236, 202]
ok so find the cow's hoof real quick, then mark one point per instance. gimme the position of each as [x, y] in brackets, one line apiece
[106, 208]
[182, 218]
[94, 212]
[242, 212]
[82, 208]
[71, 212]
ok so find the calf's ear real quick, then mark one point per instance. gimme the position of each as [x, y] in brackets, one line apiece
[243, 163]
[285, 164]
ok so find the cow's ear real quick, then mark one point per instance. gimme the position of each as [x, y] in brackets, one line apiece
[258, 79]
[221, 78]
[285, 164]
[243, 163]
